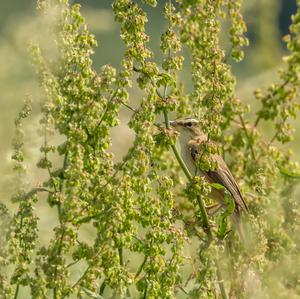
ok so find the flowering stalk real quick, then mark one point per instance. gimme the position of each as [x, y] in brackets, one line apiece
[149, 235]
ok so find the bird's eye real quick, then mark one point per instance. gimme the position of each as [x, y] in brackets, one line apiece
[189, 124]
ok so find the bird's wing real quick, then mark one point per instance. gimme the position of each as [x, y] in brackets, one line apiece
[222, 175]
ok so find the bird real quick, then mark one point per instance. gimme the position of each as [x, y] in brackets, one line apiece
[190, 138]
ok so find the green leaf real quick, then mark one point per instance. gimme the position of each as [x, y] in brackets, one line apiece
[222, 226]
[165, 79]
[230, 207]
[218, 186]
[290, 174]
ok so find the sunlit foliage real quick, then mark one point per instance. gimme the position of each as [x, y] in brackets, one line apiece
[152, 237]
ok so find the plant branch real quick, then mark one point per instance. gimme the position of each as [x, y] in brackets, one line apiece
[187, 173]
[247, 136]
[120, 252]
[106, 109]
[78, 281]
[201, 205]
[137, 70]
[141, 267]
[190, 178]
[72, 263]
[34, 191]
[102, 288]
[17, 291]
[221, 281]
[268, 97]
[129, 107]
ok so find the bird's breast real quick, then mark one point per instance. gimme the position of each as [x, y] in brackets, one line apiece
[188, 160]
[191, 165]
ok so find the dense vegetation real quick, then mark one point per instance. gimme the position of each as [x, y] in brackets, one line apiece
[150, 235]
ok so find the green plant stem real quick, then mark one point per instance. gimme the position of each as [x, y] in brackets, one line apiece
[268, 97]
[17, 291]
[141, 267]
[106, 110]
[129, 107]
[102, 288]
[73, 263]
[221, 281]
[18, 285]
[145, 292]
[190, 178]
[176, 153]
[120, 251]
[121, 258]
[33, 191]
[202, 210]
[78, 281]
[199, 199]
[59, 212]
[183, 290]
[248, 137]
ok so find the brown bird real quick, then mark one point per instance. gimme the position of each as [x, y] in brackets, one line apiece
[190, 139]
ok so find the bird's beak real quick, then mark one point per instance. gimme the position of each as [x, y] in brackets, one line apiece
[172, 123]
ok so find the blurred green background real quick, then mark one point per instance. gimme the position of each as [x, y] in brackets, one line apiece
[267, 22]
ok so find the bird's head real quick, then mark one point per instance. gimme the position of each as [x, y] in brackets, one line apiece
[188, 127]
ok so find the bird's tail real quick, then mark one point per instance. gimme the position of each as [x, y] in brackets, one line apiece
[240, 225]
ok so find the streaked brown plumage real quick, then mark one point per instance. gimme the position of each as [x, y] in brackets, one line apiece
[190, 139]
